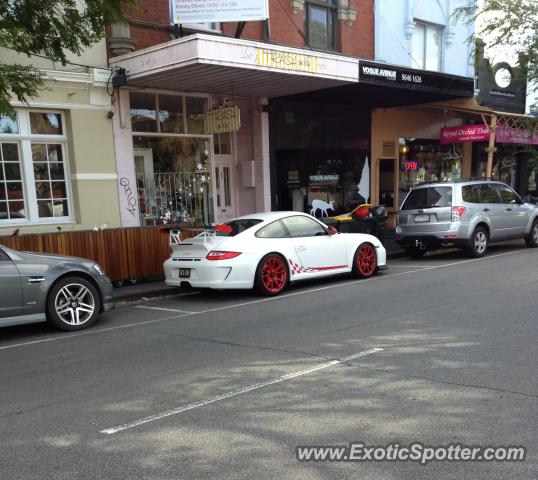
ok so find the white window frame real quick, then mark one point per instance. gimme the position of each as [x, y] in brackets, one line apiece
[420, 24]
[24, 139]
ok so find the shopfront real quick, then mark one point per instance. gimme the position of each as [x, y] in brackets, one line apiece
[368, 142]
[192, 129]
[321, 156]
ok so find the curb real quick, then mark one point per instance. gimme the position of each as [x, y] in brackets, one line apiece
[140, 294]
[165, 291]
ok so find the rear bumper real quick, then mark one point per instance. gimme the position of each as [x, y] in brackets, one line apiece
[451, 234]
[210, 274]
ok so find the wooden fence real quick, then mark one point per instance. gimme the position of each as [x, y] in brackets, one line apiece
[124, 253]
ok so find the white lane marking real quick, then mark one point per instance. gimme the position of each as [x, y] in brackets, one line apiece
[280, 297]
[163, 309]
[235, 393]
[91, 332]
[405, 266]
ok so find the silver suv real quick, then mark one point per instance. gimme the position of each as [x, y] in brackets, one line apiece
[469, 214]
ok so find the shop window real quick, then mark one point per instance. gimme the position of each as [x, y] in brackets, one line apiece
[504, 163]
[177, 114]
[33, 168]
[173, 179]
[196, 107]
[321, 22]
[423, 160]
[143, 112]
[171, 114]
[426, 46]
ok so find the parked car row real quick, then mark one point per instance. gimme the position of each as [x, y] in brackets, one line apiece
[268, 251]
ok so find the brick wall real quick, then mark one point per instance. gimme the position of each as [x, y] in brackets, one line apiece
[149, 26]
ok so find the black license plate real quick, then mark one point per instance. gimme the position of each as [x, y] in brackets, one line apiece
[184, 273]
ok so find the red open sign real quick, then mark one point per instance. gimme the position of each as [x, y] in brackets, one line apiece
[411, 166]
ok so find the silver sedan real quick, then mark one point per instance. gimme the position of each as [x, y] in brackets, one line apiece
[68, 292]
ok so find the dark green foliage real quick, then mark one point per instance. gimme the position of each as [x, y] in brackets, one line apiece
[51, 28]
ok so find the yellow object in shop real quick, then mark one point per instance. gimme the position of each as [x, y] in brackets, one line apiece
[347, 217]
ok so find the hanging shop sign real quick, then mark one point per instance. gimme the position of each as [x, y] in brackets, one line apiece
[223, 119]
[206, 11]
[464, 133]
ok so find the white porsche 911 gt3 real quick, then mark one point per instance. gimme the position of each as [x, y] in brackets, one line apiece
[269, 250]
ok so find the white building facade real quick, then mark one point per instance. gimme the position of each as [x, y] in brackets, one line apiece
[423, 34]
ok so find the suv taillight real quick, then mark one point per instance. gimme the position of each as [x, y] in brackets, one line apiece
[219, 255]
[457, 213]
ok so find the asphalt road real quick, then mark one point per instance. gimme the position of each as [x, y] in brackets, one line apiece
[225, 385]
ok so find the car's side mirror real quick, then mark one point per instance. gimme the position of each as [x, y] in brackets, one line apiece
[332, 231]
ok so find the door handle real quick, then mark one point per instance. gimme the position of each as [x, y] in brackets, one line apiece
[486, 209]
[508, 209]
[301, 248]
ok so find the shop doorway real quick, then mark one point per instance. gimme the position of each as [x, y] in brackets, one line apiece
[225, 172]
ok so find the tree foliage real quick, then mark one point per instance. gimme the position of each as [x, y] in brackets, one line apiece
[50, 28]
[510, 24]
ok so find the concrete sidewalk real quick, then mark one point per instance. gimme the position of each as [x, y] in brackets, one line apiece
[139, 291]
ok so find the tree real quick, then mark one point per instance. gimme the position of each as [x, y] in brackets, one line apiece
[509, 24]
[52, 29]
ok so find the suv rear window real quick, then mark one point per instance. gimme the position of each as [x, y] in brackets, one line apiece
[428, 197]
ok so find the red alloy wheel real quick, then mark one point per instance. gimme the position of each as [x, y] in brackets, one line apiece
[274, 275]
[366, 260]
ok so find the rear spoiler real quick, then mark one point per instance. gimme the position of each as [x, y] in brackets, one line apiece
[207, 233]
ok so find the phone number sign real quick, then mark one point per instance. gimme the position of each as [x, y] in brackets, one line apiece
[205, 11]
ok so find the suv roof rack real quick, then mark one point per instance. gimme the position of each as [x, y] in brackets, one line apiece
[457, 180]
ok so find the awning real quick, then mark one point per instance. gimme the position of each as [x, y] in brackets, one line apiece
[466, 106]
[230, 66]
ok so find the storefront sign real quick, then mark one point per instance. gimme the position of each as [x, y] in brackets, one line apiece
[204, 11]
[286, 60]
[411, 166]
[379, 73]
[515, 135]
[324, 178]
[223, 119]
[464, 133]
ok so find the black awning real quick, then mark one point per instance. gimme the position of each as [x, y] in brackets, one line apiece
[381, 85]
